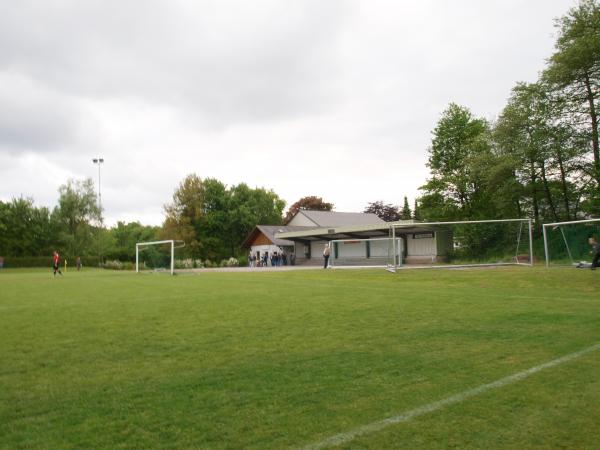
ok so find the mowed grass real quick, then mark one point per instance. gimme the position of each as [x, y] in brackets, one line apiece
[102, 359]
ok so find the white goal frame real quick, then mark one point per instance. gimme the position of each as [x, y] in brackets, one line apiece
[559, 224]
[399, 225]
[147, 244]
[394, 249]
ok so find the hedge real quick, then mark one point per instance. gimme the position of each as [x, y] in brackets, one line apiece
[46, 261]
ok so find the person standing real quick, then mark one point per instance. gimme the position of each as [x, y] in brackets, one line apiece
[595, 252]
[78, 263]
[326, 254]
[56, 263]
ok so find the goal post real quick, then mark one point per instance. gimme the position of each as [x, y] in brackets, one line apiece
[468, 243]
[567, 241]
[371, 252]
[172, 243]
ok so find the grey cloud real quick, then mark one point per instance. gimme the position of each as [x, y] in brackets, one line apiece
[34, 119]
[242, 61]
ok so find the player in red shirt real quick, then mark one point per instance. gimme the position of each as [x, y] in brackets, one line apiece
[56, 262]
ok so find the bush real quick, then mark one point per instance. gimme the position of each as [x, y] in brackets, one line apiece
[223, 263]
[113, 265]
[233, 262]
[208, 263]
[118, 265]
[198, 263]
[243, 261]
[184, 263]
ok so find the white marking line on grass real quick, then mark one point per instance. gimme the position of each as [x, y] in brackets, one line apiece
[348, 436]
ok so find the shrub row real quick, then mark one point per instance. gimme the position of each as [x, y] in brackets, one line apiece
[46, 261]
[94, 261]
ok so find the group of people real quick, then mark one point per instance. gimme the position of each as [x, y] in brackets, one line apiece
[275, 259]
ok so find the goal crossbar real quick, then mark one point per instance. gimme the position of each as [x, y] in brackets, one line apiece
[173, 243]
[393, 226]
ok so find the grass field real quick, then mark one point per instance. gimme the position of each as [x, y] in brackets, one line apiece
[103, 359]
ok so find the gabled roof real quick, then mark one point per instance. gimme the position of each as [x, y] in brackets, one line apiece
[357, 231]
[269, 231]
[340, 219]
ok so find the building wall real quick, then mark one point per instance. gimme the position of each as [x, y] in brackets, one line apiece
[352, 249]
[316, 249]
[421, 246]
[261, 239]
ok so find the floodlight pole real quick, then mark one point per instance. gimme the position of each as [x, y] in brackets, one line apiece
[99, 161]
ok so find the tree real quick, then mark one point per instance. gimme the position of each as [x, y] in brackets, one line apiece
[575, 69]
[76, 210]
[213, 219]
[249, 207]
[406, 213]
[24, 229]
[124, 236]
[535, 136]
[416, 212]
[386, 212]
[312, 202]
[184, 214]
[460, 143]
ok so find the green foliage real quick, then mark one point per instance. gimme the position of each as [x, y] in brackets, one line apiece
[76, 211]
[406, 213]
[26, 230]
[46, 261]
[213, 219]
[124, 236]
[574, 70]
[460, 143]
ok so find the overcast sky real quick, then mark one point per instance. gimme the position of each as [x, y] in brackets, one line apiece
[328, 98]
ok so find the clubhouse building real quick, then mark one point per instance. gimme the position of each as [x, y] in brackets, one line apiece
[360, 239]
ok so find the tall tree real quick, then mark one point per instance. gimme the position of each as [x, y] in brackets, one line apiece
[213, 219]
[406, 213]
[534, 135]
[416, 212]
[76, 211]
[455, 188]
[184, 214]
[311, 202]
[384, 211]
[575, 68]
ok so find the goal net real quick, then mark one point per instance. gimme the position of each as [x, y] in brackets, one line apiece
[466, 243]
[567, 243]
[156, 255]
[373, 252]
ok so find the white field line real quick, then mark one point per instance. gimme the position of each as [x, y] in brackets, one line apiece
[373, 427]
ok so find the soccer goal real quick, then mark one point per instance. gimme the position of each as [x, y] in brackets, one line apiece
[469, 243]
[566, 243]
[160, 254]
[372, 252]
